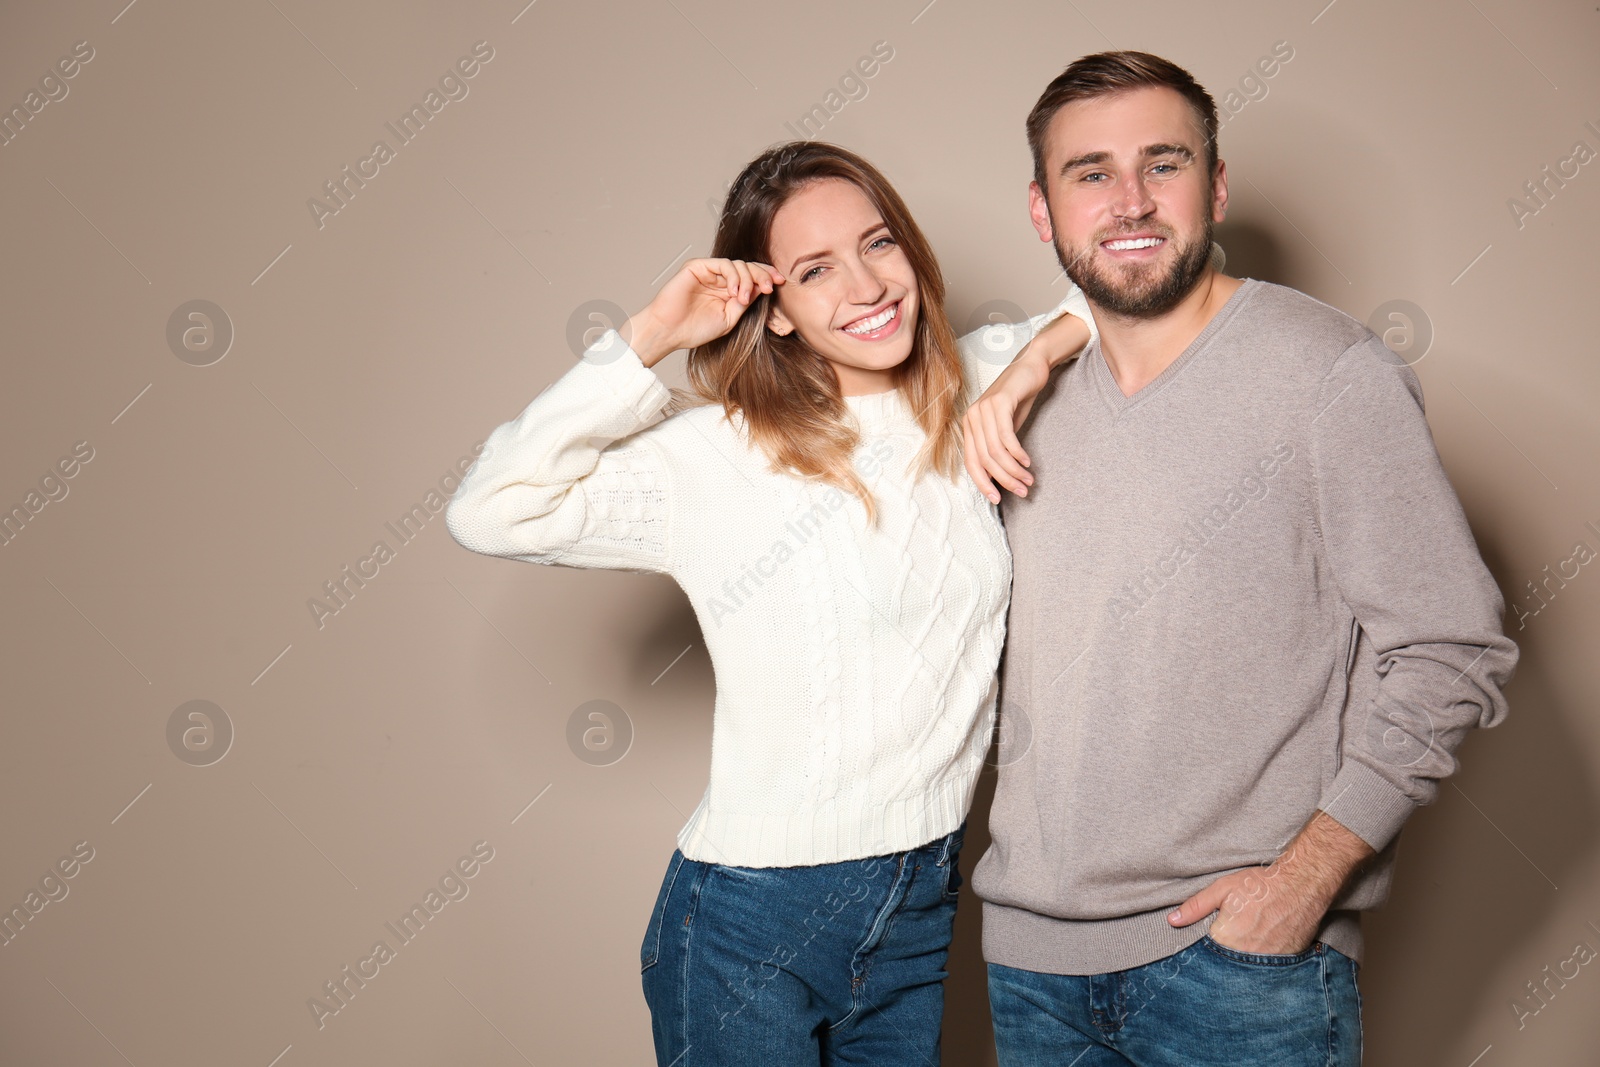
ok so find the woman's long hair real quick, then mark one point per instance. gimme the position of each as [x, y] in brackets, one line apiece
[789, 395]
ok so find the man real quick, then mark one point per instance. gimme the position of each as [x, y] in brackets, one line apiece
[1249, 624]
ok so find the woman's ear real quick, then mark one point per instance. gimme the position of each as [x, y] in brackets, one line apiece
[778, 322]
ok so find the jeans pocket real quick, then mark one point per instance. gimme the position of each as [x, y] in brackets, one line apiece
[650, 949]
[1263, 959]
[952, 877]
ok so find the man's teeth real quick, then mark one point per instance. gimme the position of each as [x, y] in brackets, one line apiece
[1137, 242]
[883, 318]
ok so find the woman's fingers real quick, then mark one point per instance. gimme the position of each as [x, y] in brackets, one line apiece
[712, 274]
[735, 279]
[970, 456]
[992, 453]
[984, 451]
[1006, 428]
[747, 284]
[767, 276]
[997, 459]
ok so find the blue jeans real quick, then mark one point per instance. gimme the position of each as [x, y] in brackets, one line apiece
[835, 963]
[1206, 1006]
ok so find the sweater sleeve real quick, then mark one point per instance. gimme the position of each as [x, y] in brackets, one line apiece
[571, 481]
[1405, 562]
[988, 350]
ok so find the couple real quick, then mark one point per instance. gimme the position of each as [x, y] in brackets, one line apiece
[1248, 628]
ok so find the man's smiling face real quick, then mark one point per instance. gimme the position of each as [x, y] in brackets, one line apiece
[1130, 208]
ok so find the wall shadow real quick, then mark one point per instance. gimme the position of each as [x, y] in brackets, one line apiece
[1477, 874]
[968, 1037]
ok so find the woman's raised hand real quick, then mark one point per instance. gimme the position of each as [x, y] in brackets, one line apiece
[699, 303]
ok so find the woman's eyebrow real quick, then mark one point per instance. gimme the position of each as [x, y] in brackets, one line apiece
[819, 255]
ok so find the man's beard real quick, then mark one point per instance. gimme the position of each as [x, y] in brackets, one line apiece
[1146, 294]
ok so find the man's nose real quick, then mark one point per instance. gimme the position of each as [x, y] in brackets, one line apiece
[1133, 197]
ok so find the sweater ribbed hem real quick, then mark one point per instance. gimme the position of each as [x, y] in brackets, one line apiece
[1016, 937]
[831, 834]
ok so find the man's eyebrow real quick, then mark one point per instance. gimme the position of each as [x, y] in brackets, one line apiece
[876, 226]
[1096, 158]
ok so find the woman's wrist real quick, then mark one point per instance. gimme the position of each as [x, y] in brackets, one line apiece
[645, 336]
[1059, 341]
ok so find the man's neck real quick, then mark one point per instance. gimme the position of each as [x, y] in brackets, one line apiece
[1137, 350]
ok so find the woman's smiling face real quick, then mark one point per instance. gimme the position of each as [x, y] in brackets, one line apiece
[849, 290]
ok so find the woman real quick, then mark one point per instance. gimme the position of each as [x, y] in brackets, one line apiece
[851, 582]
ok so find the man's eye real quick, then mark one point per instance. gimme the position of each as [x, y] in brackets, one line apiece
[1167, 166]
[1093, 174]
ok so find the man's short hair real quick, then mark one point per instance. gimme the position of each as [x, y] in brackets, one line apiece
[1107, 73]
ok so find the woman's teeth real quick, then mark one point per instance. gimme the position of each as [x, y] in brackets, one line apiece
[877, 322]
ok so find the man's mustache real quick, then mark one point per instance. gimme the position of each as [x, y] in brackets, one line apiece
[1083, 253]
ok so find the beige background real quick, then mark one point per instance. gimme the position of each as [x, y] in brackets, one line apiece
[370, 354]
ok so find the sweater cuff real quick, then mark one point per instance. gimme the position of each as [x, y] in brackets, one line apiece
[620, 368]
[1367, 804]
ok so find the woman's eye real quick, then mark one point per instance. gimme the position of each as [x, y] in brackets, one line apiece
[808, 275]
[884, 240]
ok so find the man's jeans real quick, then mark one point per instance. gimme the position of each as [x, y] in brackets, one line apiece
[835, 963]
[1206, 1006]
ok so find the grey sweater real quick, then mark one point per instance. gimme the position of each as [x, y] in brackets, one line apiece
[1242, 594]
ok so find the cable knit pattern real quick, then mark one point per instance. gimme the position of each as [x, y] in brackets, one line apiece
[855, 666]
[626, 501]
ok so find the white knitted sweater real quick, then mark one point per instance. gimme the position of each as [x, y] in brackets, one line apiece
[855, 666]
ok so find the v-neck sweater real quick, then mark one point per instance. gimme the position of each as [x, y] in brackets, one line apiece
[1244, 593]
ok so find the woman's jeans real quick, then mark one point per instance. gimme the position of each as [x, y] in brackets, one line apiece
[835, 963]
[1206, 1006]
